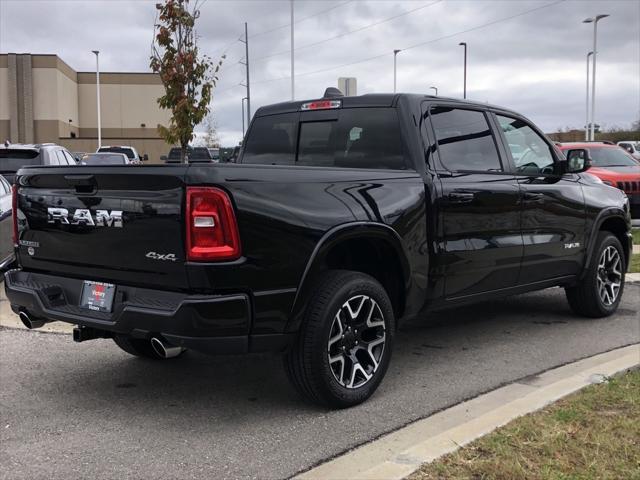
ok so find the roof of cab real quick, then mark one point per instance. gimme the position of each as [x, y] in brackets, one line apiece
[369, 100]
[25, 146]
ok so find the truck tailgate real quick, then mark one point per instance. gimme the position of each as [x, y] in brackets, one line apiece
[112, 224]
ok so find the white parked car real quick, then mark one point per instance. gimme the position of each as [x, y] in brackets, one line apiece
[632, 147]
[130, 152]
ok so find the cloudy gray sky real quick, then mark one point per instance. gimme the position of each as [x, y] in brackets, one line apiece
[525, 55]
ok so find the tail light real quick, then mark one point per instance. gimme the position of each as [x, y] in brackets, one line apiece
[212, 230]
[14, 212]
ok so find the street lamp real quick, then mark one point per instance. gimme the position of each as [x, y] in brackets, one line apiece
[586, 125]
[97, 53]
[464, 44]
[244, 98]
[594, 20]
[436, 89]
[395, 65]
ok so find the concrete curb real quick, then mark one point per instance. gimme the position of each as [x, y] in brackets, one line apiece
[400, 453]
[632, 277]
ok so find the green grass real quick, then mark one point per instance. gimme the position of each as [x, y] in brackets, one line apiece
[636, 236]
[593, 434]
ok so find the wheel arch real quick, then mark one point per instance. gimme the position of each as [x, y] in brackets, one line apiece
[611, 220]
[351, 247]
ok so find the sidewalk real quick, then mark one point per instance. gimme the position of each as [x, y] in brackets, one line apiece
[398, 454]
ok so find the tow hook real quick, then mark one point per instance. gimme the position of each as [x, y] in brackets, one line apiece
[82, 334]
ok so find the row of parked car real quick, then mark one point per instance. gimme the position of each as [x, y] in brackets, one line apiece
[15, 156]
[203, 155]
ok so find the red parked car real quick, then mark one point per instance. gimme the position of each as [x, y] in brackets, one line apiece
[615, 167]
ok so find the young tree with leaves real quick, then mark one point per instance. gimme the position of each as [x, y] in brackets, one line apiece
[187, 76]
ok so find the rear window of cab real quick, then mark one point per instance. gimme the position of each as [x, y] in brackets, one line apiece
[354, 138]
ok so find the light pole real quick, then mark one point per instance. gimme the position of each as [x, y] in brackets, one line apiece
[246, 64]
[395, 69]
[436, 89]
[292, 59]
[97, 53]
[594, 20]
[464, 44]
[244, 98]
[586, 125]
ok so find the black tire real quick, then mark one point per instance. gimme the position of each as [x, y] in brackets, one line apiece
[137, 347]
[328, 318]
[585, 298]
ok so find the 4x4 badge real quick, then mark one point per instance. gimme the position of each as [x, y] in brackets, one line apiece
[157, 256]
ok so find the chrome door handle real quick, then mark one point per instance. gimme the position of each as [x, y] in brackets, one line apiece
[458, 197]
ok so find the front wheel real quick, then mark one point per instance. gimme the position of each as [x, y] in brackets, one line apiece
[344, 345]
[599, 292]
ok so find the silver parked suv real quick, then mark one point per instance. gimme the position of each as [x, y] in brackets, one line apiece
[17, 155]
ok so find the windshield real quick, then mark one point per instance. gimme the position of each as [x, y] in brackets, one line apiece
[13, 160]
[611, 157]
[127, 151]
[103, 160]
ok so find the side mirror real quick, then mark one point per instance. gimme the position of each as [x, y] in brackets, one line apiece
[163, 158]
[578, 160]
[145, 158]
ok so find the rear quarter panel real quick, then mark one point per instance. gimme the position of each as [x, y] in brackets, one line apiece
[283, 212]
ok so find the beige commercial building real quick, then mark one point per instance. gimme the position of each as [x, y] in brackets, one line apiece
[42, 99]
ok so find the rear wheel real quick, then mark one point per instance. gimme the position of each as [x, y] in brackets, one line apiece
[137, 347]
[598, 294]
[344, 345]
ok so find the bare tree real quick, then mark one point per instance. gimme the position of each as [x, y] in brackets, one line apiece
[211, 137]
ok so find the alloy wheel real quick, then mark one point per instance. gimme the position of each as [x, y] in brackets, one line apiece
[609, 275]
[356, 341]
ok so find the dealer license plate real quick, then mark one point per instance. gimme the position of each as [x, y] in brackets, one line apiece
[97, 296]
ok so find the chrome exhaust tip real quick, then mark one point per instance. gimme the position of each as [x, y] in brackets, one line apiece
[164, 349]
[30, 322]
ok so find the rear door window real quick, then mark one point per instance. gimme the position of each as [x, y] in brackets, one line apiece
[465, 141]
[69, 158]
[62, 160]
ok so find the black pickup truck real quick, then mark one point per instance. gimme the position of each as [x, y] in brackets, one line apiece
[343, 217]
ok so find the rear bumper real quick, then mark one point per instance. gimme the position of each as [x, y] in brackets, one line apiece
[215, 324]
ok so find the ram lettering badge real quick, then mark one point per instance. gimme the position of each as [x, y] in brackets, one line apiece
[82, 216]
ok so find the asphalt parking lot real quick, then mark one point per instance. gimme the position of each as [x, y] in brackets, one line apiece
[91, 411]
